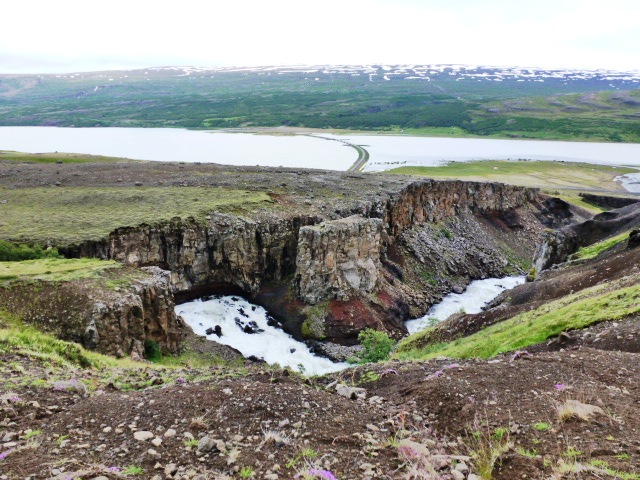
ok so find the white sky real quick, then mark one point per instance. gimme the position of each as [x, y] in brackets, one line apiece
[40, 36]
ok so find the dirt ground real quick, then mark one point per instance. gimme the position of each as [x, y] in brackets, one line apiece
[256, 422]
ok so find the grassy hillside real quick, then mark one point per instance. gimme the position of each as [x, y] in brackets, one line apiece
[445, 101]
[610, 301]
[20, 157]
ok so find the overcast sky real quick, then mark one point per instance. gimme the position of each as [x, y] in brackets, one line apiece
[39, 36]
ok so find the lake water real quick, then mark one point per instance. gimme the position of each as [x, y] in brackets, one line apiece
[179, 145]
[318, 151]
[393, 151]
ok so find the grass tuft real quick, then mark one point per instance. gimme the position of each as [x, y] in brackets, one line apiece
[592, 251]
[574, 409]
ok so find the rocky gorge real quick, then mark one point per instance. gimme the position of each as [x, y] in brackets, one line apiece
[331, 253]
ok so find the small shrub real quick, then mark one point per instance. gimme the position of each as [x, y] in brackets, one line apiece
[152, 350]
[11, 252]
[376, 346]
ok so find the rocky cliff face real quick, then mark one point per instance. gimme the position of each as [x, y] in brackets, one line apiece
[228, 249]
[112, 320]
[344, 254]
[339, 258]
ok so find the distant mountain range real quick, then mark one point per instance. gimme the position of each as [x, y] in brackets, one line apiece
[421, 99]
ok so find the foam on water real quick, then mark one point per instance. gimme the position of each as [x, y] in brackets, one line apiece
[235, 315]
[476, 296]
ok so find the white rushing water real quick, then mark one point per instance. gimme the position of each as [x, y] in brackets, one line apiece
[476, 296]
[235, 316]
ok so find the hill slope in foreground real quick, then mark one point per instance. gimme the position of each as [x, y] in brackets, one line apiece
[558, 406]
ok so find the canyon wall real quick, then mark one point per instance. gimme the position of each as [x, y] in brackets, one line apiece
[363, 256]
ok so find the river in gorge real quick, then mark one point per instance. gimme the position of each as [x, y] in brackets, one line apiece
[233, 321]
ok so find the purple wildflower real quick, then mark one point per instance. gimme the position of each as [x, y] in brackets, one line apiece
[453, 365]
[114, 469]
[181, 380]
[407, 452]
[560, 386]
[5, 454]
[326, 474]
[520, 353]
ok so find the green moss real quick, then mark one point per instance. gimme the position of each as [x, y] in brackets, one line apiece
[314, 325]
[66, 216]
[589, 306]
[596, 249]
[54, 269]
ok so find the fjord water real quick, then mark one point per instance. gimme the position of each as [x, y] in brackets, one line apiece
[388, 152]
[179, 145]
[302, 151]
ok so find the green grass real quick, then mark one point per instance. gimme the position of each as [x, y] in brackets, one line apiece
[587, 307]
[26, 340]
[596, 249]
[20, 157]
[573, 197]
[54, 269]
[67, 216]
[540, 174]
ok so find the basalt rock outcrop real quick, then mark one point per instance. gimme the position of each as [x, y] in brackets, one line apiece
[339, 258]
[115, 320]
